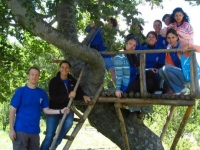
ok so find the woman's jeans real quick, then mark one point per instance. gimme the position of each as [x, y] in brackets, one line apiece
[174, 78]
[52, 122]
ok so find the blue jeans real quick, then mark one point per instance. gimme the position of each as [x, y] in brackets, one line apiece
[174, 78]
[52, 122]
[108, 62]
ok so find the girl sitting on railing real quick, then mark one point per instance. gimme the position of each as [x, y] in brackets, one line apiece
[172, 72]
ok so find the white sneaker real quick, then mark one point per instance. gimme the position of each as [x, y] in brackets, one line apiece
[158, 92]
[182, 92]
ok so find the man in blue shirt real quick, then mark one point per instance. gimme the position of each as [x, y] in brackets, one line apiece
[25, 112]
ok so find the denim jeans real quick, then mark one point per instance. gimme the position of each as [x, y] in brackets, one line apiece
[174, 78]
[52, 122]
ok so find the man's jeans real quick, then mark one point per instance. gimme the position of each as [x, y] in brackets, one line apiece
[52, 122]
[174, 78]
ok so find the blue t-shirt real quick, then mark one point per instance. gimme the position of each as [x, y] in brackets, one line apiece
[28, 103]
[162, 42]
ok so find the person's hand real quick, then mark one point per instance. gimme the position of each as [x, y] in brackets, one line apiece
[86, 98]
[12, 134]
[172, 26]
[118, 93]
[154, 70]
[185, 48]
[92, 25]
[72, 94]
[65, 110]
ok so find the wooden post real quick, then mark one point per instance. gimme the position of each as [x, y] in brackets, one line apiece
[143, 88]
[182, 125]
[196, 79]
[65, 114]
[122, 125]
[85, 115]
[76, 112]
[192, 82]
[168, 119]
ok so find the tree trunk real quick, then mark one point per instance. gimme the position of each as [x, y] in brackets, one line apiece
[103, 116]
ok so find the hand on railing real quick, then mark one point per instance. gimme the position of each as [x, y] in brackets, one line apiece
[154, 70]
[118, 93]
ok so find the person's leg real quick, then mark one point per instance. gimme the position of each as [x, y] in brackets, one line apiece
[151, 82]
[66, 127]
[52, 122]
[34, 142]
[110, 67]
[134, 86]
[21, 141]
[175, 78]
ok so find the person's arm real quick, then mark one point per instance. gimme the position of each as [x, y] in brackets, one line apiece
[163, 32]
[118, 63]
[186, 32]
[49, 111]
[89, 27]
[11, 121]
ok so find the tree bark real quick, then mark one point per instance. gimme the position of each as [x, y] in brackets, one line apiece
[103, 116]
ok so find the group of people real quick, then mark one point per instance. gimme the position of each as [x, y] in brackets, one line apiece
[160, 67]
[24, 124]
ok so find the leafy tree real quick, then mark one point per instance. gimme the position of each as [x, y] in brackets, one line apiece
[24, 19]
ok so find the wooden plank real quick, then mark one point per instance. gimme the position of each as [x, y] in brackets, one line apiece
[150, 101]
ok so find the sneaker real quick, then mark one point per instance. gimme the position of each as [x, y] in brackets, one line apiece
[158, 92]
[182, 92]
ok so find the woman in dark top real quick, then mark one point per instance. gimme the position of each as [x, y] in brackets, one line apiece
[61, 90]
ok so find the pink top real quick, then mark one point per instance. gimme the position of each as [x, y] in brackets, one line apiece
[185, 32]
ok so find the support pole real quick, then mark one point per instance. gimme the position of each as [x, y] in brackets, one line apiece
[122, 125]
[182, 125]
[168, 119]
[143, 88]
[65, 114]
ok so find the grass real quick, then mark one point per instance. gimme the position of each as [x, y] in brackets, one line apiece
[88, 138]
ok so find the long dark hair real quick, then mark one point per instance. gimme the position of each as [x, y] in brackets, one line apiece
[178, 9]
[172, 31]
[132, 58]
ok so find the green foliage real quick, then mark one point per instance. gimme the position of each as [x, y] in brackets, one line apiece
[4, 113]
[190, 137]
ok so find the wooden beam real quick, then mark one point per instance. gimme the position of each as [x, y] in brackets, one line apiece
[168, 119]
[144, 51]
[118, 107]
[182, 125]
[144, 101]
[143, 87]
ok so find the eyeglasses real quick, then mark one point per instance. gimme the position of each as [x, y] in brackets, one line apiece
[166, 19]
